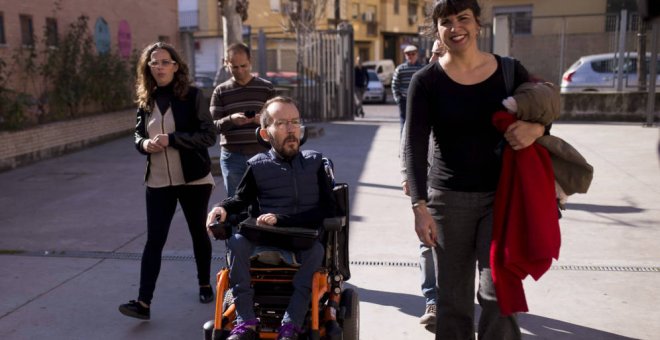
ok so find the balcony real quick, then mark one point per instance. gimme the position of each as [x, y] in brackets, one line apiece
[188, 20]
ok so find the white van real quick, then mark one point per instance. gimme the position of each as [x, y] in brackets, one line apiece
[384, 69]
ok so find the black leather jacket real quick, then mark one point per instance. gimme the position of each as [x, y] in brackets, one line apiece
[194, 134]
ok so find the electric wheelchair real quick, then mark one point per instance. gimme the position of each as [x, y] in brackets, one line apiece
[334, 309]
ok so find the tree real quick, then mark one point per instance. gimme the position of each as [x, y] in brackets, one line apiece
[301, 16]
[234, 12]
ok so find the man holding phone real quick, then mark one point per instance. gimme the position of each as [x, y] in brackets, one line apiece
[234, 107]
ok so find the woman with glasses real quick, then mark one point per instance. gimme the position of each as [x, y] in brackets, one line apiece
[452, 201]
[174, 130]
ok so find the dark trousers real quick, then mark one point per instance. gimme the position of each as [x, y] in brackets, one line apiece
[402, 112]
[465, 224]
[161, 206]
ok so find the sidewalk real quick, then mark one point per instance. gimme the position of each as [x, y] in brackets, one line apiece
[72, 230]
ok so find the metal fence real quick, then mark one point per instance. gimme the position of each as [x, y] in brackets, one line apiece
[325, 72]
[556, 42]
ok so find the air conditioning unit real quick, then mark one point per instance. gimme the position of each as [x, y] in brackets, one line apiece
[412, 19]
[368, 17]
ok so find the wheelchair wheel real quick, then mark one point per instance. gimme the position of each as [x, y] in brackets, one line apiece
[350, 309]
[209, 325]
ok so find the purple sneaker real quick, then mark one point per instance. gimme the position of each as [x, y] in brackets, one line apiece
[289, 331]
[245, 330]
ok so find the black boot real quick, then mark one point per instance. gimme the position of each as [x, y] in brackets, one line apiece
[205, 294]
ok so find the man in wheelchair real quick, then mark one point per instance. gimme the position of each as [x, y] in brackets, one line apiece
[284, 187]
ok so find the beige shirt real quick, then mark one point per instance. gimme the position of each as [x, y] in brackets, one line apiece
[165, 167]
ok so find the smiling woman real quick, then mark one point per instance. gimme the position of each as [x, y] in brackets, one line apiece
[452, 201]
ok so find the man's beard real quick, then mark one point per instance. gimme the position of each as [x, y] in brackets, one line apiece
[282, 150]
[289, 152]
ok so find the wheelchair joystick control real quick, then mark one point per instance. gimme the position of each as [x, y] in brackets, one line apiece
[220, 230]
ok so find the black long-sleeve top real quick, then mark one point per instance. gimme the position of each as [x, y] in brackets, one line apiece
[466, 151]
[247, 195]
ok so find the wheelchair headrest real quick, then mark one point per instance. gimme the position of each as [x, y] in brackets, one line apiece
[266, 144]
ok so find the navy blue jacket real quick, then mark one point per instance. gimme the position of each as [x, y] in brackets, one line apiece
[297, 191]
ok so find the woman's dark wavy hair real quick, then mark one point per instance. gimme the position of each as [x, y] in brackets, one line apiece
[145, 84]
[444, 8]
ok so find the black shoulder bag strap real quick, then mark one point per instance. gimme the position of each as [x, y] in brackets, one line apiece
[509, 73]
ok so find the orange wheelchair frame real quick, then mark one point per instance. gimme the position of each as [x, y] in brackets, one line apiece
[334, 311]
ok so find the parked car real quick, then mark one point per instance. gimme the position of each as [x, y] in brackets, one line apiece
[375, 92]
[598, 73]
[383, 68]
[286, 78]
[204, 82]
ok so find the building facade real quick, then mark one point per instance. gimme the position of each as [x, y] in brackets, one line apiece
[121, 26]
[548, 36]
[382, 28]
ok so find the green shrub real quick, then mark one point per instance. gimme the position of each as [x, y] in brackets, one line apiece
[67, 81]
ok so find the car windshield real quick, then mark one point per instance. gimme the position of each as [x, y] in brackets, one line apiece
[370, 67]
[372, 76]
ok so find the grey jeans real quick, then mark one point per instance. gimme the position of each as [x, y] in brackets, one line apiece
[465, 223]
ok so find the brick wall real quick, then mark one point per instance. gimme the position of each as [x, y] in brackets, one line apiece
[148, 20]
[50, 140]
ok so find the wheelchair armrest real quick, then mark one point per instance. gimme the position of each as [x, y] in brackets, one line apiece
[334, 223]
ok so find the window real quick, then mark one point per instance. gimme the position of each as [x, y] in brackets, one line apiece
[520, 18]
[355, 10]
[372, 29]
[2, 29]
[51, 32]
[412, 8]
[613, 10]
[603, 66]
[615, 6]
[27, 30]
[396, 6]
[371, 19]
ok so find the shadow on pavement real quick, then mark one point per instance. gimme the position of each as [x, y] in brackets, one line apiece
[381, 186]
[610, 209]
[412, 305]
[545, 328]
[540, 327]
[347, 145]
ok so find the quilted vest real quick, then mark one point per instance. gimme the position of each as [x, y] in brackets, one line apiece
[287, 187]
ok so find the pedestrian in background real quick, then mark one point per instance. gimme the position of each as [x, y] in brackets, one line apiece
[361, 81]
[453, 201]
[401, 79]
[426, 261]
[436, 51]
[235, 105]
[174, 130]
